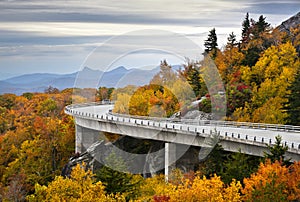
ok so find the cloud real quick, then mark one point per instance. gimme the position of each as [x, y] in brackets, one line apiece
[57, 35]
[168, 12]
[274, 8]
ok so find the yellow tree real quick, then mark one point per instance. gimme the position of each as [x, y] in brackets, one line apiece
[271, 112]
[37, 146]
[79, 187]
[153, 100]
[122, 103]
[270, 77]
[190, 187]
[228, 62]
[203, 189]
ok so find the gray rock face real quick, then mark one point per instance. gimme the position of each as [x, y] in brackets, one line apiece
[138, 157]
[292, 22]
[198, 115]
[148, 164]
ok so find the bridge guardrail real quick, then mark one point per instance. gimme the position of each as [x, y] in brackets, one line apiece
[278, 127]
[87, 104]
[191, 125]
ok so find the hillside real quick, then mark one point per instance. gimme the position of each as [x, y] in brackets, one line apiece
[290, 23]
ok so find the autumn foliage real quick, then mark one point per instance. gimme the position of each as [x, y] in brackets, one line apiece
[273, 181]
[37, 139]
[261, 79]
[80, 187]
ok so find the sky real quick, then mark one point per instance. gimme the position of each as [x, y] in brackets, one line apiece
[63, 36]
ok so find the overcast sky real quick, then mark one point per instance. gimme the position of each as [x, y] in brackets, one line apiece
[57, 36]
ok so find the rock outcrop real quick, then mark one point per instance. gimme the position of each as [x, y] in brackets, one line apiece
[292, 22]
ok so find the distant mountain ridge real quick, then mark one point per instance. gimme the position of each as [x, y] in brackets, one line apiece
[85, 78]
[88, 77]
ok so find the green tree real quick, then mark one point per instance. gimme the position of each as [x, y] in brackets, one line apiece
[260, 27]
[215, 162]
[115, 177]
[293, 104]
[192, 74]
[3, 120]
[48, 107]
[104, 93]
[257, 41]
[238, 166]
[7, 100]
[246, 30]
[211, 43]
[28, 95]
[277, 151]
[231, 41]
[212, 156]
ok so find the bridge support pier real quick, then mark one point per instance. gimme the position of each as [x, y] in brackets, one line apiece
[85, 137]
[170, 158]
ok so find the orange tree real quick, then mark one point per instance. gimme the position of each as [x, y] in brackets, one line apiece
[273, 182]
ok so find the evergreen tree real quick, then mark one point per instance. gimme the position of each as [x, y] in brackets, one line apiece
[104, 93]
[212, 156]
[231, 41]
[293, 105]
[246, 30]
[251, 56]
[262, 25]
[192, 74]
[277, 151]
[259, 27]
[259, 41]
[211, 43]
[115, 178]
[239, 166]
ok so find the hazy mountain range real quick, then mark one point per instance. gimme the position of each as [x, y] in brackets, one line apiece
[85, 78]
[118, 77]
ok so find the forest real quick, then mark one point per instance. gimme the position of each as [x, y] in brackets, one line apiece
[261, 75]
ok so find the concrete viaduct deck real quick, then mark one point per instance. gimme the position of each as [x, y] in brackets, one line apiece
[249, 138]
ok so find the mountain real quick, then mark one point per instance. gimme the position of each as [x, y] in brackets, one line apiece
[86, 78]
[290, 23]
[287, 26]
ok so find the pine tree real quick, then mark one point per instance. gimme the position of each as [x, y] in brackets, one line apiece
[259, 27]
[277, 151]
[192, 75]
[293, 105]
[262, 25]
[239, 166]
[231, 41]
[256, 34]
[212, 156]
[246, 30]
[115, 177]
[211, 43]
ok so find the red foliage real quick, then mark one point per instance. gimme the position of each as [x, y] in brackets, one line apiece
[161, 198]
